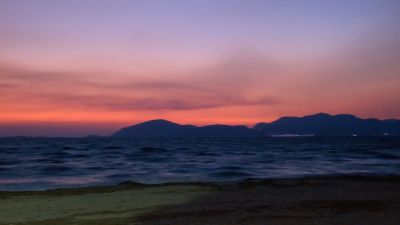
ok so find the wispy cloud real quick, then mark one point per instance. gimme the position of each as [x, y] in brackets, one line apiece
[227, 84]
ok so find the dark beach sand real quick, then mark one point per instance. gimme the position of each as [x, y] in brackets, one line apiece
[335, 200]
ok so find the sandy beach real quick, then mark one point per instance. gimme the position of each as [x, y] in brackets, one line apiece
[318, 200]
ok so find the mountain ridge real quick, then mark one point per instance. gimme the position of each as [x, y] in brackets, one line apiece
[323, 124]
[320, 124]
[165, 128]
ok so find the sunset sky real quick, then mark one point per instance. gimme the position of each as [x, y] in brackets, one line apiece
[76, 67]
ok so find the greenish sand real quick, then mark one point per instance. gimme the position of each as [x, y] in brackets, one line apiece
[308, 201]
[109, 206]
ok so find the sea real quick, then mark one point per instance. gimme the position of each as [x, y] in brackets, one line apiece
[52, 163]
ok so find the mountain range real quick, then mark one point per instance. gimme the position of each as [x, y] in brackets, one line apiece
[321, 124]
[165, 128]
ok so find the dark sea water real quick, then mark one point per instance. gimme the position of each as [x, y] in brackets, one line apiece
[48, 163]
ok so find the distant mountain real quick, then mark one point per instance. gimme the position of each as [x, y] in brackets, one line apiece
[320, 124]
[165, 128]
[323, 124]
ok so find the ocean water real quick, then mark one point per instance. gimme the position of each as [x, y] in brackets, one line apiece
[48, 163]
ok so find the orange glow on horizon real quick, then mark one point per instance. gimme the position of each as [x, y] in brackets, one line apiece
[225, 62]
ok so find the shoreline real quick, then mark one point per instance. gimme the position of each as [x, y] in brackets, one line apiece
[266, 181]
[365, 177]
[309, 200]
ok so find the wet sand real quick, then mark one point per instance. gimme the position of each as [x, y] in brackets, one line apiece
[335, 200]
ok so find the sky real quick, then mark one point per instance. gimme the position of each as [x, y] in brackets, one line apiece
[72, 67]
